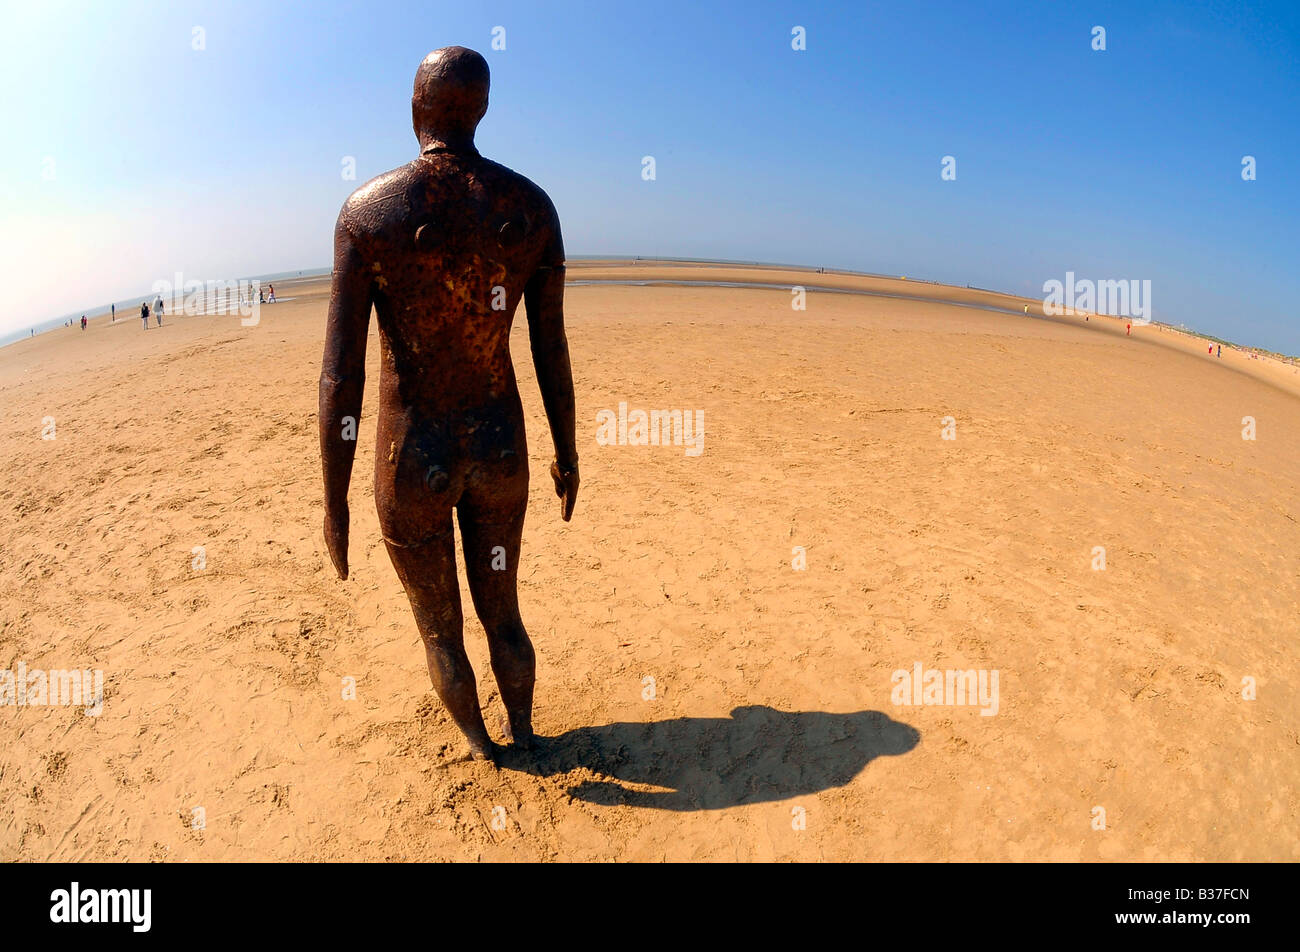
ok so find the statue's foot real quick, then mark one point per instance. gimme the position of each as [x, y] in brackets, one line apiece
[473, 753]
[519, 735]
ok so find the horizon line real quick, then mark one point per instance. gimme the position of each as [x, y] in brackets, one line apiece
[313, 272]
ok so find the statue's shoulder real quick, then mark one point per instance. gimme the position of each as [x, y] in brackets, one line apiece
[379, 202]
[525, 189]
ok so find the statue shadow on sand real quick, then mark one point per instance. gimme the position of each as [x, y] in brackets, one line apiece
[756, 755]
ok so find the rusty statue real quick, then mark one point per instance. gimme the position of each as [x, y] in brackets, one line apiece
[444, 248]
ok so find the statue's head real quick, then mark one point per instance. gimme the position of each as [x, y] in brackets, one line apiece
[451, 96]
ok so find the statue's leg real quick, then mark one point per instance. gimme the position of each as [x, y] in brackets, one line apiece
[428, 573]
[416, 485]
[491, 516]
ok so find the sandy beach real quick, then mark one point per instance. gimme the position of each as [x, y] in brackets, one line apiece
[717, 679]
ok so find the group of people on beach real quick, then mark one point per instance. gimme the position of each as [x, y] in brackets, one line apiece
[263, 297]
[157, 309]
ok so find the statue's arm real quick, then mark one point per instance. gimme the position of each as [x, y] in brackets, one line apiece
[544, 304]
[342, 381]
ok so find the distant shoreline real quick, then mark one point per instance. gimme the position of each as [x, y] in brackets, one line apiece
[129, 306]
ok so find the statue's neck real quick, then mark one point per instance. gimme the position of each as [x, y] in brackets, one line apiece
[448, 142]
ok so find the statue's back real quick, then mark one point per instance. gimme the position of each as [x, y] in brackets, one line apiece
[451, 241]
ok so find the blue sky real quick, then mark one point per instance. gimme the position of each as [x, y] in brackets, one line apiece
[131, 155]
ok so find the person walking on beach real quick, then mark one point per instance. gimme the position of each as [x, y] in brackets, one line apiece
[114, 307]
[271, 295]
[83, 322]
[1128, 330]
[1220, 354]
[425, 245]
[144, 313]
[158, 309]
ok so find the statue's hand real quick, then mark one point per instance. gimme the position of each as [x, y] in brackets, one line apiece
[336, 538]
[566, 487]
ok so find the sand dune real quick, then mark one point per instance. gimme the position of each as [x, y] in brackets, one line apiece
[772, 707]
